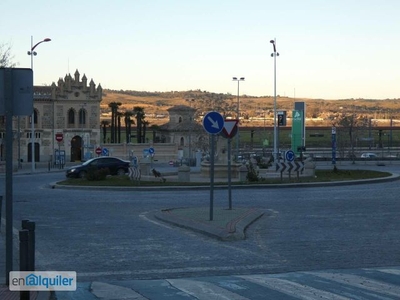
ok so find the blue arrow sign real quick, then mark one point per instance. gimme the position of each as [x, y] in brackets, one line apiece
[213, 122]
[289, 155]
[104, 152]
[151, 150]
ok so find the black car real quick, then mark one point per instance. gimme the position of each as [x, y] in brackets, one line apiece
[115, 165]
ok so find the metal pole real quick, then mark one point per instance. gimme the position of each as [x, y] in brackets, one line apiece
[8, 97]
[238, 117]
[275, 54]
[229, 174]
[19, 143]
[212, 178]
[33, 116]
[32, 53]
[275, 125]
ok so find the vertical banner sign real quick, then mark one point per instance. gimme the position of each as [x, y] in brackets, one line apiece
[297, 130]
[333, 145]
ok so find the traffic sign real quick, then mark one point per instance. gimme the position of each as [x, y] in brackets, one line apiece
[98, 150]
[151, 150]
[104, 152]
[213, 122]
[289, 155]
[289, 166]
[230, 128]
[59, 137]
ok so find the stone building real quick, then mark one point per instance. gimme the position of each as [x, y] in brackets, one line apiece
[71, 109]
[183, 130]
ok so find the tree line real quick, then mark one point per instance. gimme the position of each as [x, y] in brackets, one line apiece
[116, 120]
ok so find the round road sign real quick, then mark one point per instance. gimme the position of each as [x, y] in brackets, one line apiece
[59, 137]
[213, 122]
[98, 150]
[289, 155]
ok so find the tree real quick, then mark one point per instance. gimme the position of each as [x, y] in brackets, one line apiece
[139, 114]
[128, 125]
[114, 108]
[104, 125]
[118, 138]
[352, 124]
[6, 57]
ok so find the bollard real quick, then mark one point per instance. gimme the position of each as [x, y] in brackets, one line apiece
[30, 226]
[24, 258]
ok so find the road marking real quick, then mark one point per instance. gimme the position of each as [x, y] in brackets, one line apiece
[204, 290]
[291, 288]
[360, 282]
[388, 271]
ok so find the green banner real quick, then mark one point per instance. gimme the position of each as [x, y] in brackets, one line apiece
[297, 130]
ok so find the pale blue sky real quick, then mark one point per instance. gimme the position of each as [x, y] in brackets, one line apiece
[328, 49]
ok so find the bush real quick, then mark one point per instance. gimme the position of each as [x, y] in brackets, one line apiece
[252, 173]
[94, 174]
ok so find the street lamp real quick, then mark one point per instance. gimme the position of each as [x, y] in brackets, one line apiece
[274, 55]
[238, 114]
[32, 53]
[82, 117]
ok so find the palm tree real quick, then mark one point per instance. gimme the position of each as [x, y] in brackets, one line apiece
[128, 123]
[114, 109]
[104, 125]
[139, 114]
[119, 115]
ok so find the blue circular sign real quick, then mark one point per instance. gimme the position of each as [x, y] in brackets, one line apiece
[151, 150]
[213, 122]
[289, 155]
[104, 152]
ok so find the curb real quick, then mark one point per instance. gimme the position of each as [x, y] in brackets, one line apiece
[234, 229]
[393, 177]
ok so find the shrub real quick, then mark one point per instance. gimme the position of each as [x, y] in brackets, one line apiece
[252, 173]
[94, 174]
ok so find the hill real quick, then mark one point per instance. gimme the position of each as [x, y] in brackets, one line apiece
[254, 111]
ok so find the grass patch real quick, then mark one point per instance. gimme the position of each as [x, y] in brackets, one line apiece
[321, 176]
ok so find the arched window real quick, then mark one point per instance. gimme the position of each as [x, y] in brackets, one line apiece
[71, 116]
[180, 120]
[35, 116]
[82, 117]
[182, 142]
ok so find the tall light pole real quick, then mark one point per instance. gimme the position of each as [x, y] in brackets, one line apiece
[83, 122]
[237, 113]
[274, 55]
[32, 53]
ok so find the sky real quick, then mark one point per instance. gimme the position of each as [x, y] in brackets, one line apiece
[327, 49]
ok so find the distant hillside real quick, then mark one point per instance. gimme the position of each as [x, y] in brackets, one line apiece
[156, 104]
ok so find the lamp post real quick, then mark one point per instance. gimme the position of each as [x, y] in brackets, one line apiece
[274, 55]
[32, 53]
[237, 113]
[83, 121]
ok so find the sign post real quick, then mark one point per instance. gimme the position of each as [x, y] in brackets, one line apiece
[334, 146]
[213, 123]
[16, 99]
[229, 131]
[59, 139]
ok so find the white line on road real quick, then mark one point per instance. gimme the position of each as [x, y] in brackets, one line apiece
[291, 288]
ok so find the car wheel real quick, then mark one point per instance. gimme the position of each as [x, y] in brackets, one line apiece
[120, 172]
[82, 174]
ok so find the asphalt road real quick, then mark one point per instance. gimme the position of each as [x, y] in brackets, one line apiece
[112, 235]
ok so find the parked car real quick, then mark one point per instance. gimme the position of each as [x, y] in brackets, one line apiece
[115, 165]
[369, 155]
